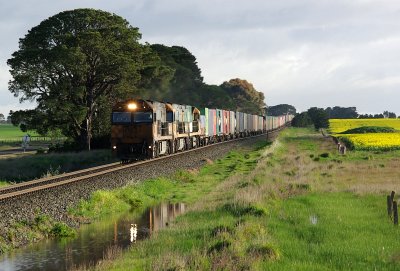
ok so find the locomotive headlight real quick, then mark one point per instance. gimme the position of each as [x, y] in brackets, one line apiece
[114, 147]
[132, 106]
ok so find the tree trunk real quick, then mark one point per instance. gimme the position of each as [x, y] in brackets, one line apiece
[88, 131]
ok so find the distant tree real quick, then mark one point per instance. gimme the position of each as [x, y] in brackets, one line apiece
[77, 63]
[338, 112]
[319, 117]
[245, 96]
[281, 109]
[2, 118]
[302, 120]
[390, 115]
[9, 116]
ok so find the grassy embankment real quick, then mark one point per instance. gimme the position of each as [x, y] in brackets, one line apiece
[20, 167]
[295, 206]
[40, 165]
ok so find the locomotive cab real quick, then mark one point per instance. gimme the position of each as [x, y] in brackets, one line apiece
[132, 129]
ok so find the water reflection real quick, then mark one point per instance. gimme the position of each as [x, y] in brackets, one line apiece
[92, 241]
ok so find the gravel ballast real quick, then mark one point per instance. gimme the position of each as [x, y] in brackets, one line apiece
[56, 201]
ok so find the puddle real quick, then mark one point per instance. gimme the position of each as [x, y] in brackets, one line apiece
[92, 241]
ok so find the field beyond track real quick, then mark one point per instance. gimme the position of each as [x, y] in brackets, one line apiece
[340, 125]
[294, 205]
[367, 141]
[9, 131]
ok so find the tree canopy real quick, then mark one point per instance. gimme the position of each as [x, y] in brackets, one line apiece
[302, 120]
[319, 117]
[78, 63]
[338, 112]
[75, 63]
[245, 96]
[281, 109]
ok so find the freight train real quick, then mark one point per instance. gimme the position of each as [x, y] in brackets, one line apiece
[148, 129]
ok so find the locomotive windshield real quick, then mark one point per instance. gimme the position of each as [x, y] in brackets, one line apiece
[143, 117]
[121, 117]
[128, 117]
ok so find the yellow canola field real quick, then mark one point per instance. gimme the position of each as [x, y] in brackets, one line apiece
[371, 141]
[374, 141]
[341, 125]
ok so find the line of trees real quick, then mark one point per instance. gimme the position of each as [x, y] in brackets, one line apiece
[78, 63]
[319, 117]
[3, 120]
[313, 116]
[338, 112]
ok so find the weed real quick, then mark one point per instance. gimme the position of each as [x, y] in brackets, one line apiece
[219, 246]
[324, 155]
[241, 210]
[62, 230]
[221, 229]
[267, 251]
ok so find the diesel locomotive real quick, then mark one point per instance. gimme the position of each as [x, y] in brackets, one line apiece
[148, 129]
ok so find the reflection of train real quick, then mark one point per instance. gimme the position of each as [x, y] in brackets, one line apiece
[144, 128]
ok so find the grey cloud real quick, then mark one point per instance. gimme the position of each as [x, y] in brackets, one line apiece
[304, 52]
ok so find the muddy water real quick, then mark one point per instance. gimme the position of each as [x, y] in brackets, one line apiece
[93, 242]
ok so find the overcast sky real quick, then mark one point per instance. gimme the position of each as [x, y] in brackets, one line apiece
[301, 52]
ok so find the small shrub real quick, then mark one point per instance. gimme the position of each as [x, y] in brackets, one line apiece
[300, 186]
[219, 246]
[3, 246]
[40, 151]
[316, 159]
[369, 129]
[266, 251]
[324, 155]
[290, 173]
[240, 210]
[221, 229]
[62, 230]
[52, 172]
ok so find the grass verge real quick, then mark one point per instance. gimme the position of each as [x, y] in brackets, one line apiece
[41, 165]
[299, 207]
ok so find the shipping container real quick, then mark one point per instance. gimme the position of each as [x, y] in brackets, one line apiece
[219, 122]
[232, 121]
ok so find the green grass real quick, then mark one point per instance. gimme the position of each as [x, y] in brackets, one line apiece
[35, 166]
[4, 184]
[337, 231]
[9, 131]
[277, 212]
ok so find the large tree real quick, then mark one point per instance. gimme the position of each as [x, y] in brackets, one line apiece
[76, 63]
[281, 109]
[319, 117]
[186, 80]
[244, 95]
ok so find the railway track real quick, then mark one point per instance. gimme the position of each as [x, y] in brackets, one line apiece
[24, 188]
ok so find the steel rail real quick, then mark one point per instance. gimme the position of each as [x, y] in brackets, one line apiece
[80, 175]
